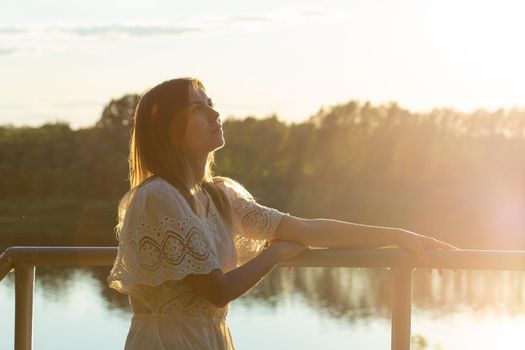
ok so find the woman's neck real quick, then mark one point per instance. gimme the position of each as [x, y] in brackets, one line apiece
[198, 169]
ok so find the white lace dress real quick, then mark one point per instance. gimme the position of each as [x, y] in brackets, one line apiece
[162, 241]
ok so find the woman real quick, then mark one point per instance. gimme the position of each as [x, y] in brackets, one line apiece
[191, 242]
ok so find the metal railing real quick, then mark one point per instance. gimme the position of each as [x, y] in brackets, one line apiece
[402, 262]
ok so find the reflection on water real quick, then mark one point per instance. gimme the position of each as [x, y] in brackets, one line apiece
[346, 293]
[351, 294]
[356, 297]
[358, 293]
[482, 291]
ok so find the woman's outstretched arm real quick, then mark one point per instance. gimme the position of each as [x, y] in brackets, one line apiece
[220, 288]
[339, 234]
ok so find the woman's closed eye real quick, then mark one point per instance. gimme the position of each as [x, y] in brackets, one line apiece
[202, 107]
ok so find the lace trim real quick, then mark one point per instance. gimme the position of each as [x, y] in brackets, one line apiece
[155, 258]
[174, 299]
[259, 221]
[253, 222]
[173, 249]
[184, 301]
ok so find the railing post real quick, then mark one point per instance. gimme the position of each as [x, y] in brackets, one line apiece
[24, 287]
[401, 307]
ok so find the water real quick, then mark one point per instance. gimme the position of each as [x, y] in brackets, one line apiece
[308, 308]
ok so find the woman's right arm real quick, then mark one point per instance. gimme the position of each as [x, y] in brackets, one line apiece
[220, 288]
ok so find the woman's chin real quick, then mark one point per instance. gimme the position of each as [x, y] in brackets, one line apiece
[219, 145]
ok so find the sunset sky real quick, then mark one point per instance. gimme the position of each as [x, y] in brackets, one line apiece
[64, 60]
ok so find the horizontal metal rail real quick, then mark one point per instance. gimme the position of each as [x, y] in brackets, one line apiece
[402, 262]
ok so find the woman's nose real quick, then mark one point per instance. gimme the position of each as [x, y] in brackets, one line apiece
[215, 115]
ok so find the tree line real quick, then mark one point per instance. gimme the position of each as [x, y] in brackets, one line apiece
[458, 176]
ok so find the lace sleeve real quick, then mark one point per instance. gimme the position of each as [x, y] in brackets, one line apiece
[253, 223]
[161, 239]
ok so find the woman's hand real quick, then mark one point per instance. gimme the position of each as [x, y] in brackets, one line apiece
[418, 243]
[285, 250]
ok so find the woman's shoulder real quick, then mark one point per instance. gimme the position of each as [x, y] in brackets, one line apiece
[149, 182]
[231, 187]
[156, 183]
[157, 189]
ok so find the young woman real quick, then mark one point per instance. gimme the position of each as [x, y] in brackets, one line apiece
[191, 242]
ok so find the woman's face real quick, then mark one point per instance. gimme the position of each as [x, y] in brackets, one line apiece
[203, 132]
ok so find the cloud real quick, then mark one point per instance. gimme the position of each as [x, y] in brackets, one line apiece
[49, 32]
[176, 26]
[249, 19]
[80, 103]
[125, 30]
[36, 38]
[12, 30]
[4, 51]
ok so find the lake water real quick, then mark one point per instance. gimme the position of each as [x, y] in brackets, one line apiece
[307, 308]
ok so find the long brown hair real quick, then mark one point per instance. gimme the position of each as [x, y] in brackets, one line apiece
[157, 149]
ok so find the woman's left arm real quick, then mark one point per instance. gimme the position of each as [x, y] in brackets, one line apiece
[339, 234]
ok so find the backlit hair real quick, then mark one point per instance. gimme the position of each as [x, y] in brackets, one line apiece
[157, 148]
